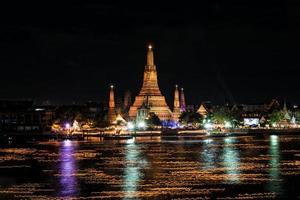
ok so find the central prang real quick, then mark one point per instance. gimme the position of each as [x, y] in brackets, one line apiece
[150, 94]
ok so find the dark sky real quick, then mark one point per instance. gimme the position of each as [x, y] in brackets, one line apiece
[239, 51]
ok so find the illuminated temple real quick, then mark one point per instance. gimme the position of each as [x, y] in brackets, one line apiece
[150, 94]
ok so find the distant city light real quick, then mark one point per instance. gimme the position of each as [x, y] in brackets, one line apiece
[67, 125]
[76, 126]
[208, 126]
[251, 121]
[227, 124]
[293, 120]
[130, 125]
[141, 124]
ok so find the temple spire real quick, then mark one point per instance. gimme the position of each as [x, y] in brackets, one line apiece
[176, 98]
[111, 97]
[176, 109]
[150, 57]
[150, 84]
[150, 91]
[111, 105]
[182, 101]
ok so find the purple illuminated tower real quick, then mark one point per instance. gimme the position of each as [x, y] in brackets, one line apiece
[182, 101]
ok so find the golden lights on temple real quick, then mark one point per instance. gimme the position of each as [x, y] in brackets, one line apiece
[150, 98]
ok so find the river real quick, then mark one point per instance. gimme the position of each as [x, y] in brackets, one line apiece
[174, 167]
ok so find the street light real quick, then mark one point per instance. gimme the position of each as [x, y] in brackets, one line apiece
[227, 124]
[141, 124]
[208, 126]
[130, 125]
[67, 125]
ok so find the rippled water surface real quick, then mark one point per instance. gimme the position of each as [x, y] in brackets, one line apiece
[242, 167]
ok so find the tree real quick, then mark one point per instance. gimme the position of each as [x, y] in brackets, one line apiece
[101, 120]
[221, 115]
[276, 116]
[193, 118]
[297, 115]
[153, 120]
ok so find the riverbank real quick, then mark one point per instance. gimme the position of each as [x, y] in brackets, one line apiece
[129, 134]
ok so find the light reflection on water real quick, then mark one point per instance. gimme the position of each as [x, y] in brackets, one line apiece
[68, 169]
[231, 159]
[208, 154]
[274, 163]
[132, 171]
[248, 167]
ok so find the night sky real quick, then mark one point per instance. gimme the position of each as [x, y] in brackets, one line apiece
[221, 51]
